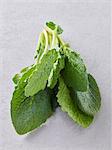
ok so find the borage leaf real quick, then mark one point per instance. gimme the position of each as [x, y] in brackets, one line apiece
[29, 113]
[55, 72]
[68, 103]
[38, 79]
[90, 101]
[75, 74]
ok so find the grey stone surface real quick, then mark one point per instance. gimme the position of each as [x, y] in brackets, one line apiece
[87, 28]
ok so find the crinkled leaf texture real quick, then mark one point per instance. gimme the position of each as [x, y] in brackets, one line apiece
[55, 72]
[38, 79]
[68, 103]
[29, 113]
[75, 74]
[90, 101]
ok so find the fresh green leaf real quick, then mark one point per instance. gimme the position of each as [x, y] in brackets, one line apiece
[75, 74]
[59, 30]
[16, 78]
[26, 75]
[53, 26]
[90, 101]
[38, 79]
[68, 104]
[55, 72]
[29, 113]
[23, 74]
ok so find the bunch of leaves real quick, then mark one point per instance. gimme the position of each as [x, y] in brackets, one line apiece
[57, 78]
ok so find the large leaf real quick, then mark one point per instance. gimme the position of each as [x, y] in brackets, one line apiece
[29, 113]
[75, 74]
[90, 101]
[68, 104]
[55, 72]
[38, 79]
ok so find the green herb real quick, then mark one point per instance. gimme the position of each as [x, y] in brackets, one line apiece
[29, 113]
[53, 26]
[89, 101]
[57, 78]
[67, 101]
[41, 73]
[55, 72]
[75, 74]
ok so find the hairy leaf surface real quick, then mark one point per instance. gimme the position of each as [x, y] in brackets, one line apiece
[68, 103]
[39, 78]
[55, 72]
[90, 101]
[75, 74]
[29, 113]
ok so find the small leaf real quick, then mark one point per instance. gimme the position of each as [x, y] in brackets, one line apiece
[38, 79]
[51, 25]
[68, 104]
[75, 74]
[59, 30]
[23, 74]
[16, 78]
[90, 101]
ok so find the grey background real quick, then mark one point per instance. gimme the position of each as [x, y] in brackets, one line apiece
[87, 28]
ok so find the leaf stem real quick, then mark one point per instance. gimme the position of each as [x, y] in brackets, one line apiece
[46, 44]
[46, 39]
[61, 41]
[38, 44]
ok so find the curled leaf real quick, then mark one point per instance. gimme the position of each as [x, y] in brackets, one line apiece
[38, 79]
[90, 101]
[68, 103]
[75, 74]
